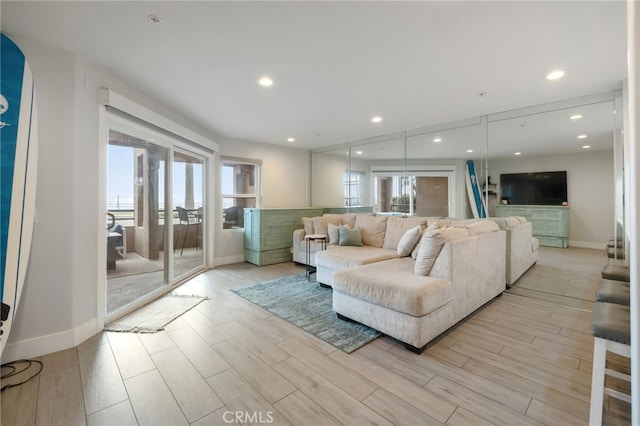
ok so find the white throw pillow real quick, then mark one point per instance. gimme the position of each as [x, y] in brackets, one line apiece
[430, 245]
[334, 234]
[409, 241]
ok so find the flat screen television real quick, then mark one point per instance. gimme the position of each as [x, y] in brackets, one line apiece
[539, 188]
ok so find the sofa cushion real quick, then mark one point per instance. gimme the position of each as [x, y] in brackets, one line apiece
[343, 257]
[431, 243]
[432, 227]
[349, 219]
[307, 222]
[333, 234]
[372, 228]
[349, 237]
[396, 228]
[320, 223]
[482, 227]
[409, 240]
[393, 285]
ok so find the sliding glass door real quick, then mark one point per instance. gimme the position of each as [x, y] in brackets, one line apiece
[156, 210]
[188, 205]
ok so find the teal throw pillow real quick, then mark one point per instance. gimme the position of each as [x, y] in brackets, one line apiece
[349, 237]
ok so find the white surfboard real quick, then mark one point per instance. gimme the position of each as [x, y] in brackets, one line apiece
[18, 166]
[473, 191]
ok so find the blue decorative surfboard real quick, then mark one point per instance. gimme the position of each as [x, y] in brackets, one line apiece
[473, 190]
[18, 161]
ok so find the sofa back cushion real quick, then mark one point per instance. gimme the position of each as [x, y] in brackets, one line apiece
[396, 228]
[509, 221]
[320, 223]
[431, 244]
[307, 222]
[372, 229]
[482, 227]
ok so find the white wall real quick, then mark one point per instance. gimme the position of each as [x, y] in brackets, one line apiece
[590, 187]
[285, 183]
[58, 308]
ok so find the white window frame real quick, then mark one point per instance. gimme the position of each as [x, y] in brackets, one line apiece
[448, 171]
[348, 185]
[257, 195]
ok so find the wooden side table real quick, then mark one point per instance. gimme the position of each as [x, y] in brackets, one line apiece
[309, 238]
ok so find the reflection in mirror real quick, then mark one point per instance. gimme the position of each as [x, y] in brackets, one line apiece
[436, 159]
[380, 163]
[329, 168]
[577, 140]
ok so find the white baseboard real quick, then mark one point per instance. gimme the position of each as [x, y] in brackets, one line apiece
[43, 345]
[587, 244]
[219, 261]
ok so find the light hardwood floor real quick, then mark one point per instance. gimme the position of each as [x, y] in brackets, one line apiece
[518, 361]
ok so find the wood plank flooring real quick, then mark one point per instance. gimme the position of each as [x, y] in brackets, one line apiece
[524, 359]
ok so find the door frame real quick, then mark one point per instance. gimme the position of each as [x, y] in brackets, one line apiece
[112, 118]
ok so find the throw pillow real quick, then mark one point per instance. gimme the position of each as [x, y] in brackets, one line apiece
[430, 245]
[414, 252]
[409, 241]
[333, 233]
[349, 237]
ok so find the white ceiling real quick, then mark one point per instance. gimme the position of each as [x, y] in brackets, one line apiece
[337, 64]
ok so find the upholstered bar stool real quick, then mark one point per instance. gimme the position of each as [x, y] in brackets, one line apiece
[617, 292]
[611, 329]
[616, 272]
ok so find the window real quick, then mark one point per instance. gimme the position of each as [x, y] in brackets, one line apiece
[352, 188]
[240, 189]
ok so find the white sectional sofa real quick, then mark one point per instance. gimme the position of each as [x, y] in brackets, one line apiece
[380, 285]
[522, 247]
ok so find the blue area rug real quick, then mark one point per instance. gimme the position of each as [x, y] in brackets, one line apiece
[310, 307]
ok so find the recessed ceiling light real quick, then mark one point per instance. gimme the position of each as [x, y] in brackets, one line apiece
[469, 150]
[575, 117]
[582, 136]
[359, 152]
[586, 146]
[291, 140]
[554, 75]
[376, 119]
[265, 81]
[437, 140]
[517, 153]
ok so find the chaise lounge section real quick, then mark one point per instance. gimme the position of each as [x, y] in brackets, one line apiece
[389, 296]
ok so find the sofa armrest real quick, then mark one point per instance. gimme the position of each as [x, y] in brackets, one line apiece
[298, 240]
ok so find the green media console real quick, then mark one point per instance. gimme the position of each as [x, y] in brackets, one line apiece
[550, 223]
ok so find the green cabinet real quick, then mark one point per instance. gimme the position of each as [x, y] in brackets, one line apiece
[550, 223]
[268, 233]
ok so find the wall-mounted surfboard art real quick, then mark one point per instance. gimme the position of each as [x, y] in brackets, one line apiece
[473, 191]
[18, 164]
